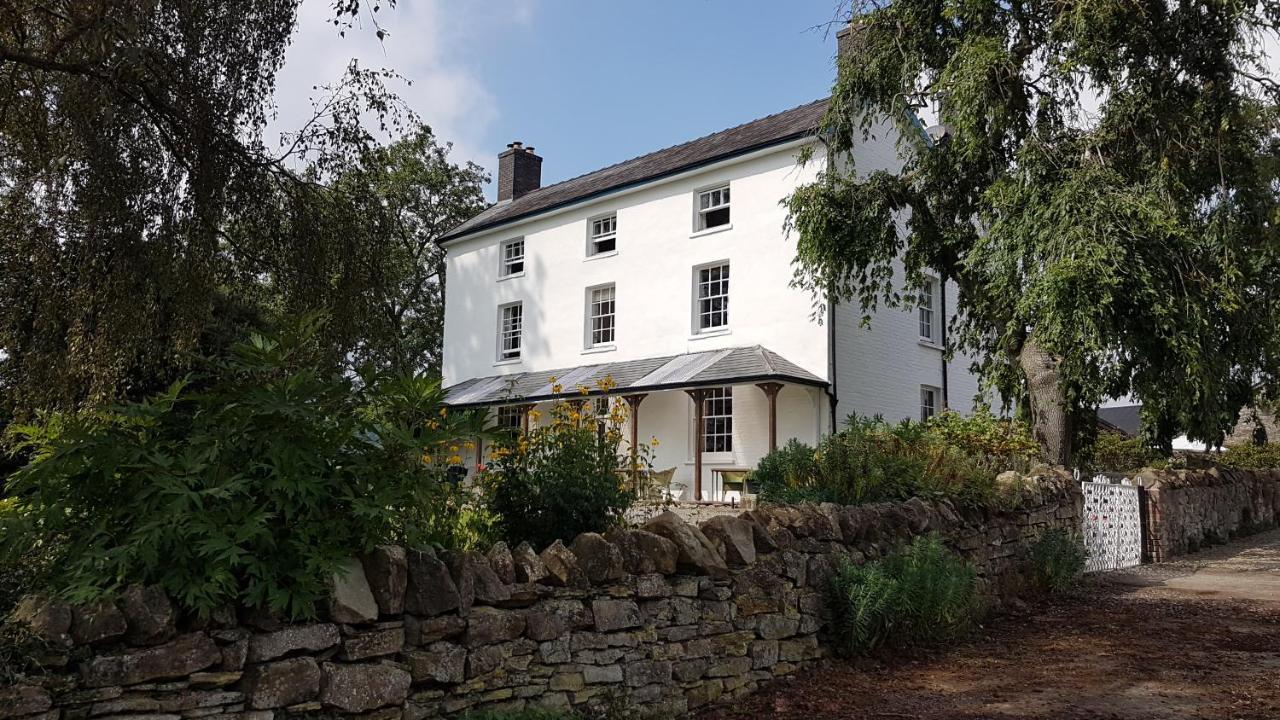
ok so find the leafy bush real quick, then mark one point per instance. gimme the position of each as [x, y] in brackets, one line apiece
[1057, 559]
[922, 594]
[560, 478]
[1252, 457]
[248, 485]
[1113, 452]
[948, 456]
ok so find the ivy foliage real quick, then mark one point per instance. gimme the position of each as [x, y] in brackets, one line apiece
[245, 485]
[1105, 191]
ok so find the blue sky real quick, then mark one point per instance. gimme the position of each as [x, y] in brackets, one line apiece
[586, 83]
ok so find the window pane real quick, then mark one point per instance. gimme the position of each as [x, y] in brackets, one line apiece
[717, 424]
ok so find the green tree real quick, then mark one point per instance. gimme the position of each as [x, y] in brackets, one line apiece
[145, 221]
[1127, 248]
[410, 194]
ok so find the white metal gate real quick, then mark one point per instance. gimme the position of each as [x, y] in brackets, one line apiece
[1112, 525]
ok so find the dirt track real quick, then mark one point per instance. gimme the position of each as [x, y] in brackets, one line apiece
[1199, 638]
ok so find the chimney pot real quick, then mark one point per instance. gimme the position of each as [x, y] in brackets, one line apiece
[519, 171]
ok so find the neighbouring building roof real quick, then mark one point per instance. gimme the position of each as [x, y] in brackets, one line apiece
[690, 370]
[1126, 418]
[772, 130]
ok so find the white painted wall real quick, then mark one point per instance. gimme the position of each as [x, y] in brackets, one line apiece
[653, 273]
[879, 370]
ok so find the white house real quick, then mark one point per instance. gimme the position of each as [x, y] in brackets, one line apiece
[671, 274]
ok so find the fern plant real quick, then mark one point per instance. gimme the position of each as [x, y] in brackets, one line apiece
[247, 485]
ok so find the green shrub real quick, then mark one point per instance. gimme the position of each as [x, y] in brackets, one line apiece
[248, 485]
[870, 460]
[522, 715]
[1252, 457]
[1113, 452]
[923, 594]
[561, 478]
[1057, 559]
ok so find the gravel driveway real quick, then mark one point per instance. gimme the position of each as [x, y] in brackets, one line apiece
[1196, 638]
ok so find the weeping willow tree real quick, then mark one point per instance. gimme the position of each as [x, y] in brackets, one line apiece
[1103, 192]
[145, 219]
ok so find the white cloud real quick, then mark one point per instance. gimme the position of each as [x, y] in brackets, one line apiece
[422, 45]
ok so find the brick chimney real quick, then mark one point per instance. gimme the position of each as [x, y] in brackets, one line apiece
[519, 171]
[847, 38]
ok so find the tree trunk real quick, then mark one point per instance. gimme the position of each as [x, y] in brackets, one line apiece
[1051, 420]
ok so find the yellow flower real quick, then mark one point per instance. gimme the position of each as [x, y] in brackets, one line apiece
[426, 459]
[469, 445]
[444, 412]
[455, 460]
[453, 448]
[654, 441]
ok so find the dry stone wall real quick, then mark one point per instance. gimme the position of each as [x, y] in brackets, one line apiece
[668, 617]
[1184, 510]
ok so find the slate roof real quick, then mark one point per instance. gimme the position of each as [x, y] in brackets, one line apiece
[1126, 418]
[690, 370]
[772, 130]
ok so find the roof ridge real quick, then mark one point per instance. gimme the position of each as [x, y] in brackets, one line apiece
[677, 145]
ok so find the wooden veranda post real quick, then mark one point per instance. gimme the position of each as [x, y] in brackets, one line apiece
[771, 391]
[633, 402]
[524, 418]
[698, 396]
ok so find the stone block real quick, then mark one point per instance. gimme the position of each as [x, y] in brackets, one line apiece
[613, 615]
[648, 672]
[310, 638]
[363, 687]
[386, 569]
[282, 683]
[602, 674]
[695, 553]
[729, 667]
[431, 590]
[776, 627]
[372, 643]
[562, 567]
[732, 537]
[96, 622]
[483, 660]
[652, 585]
[443, 663]
[599, 559]
[177, 658]
[541, 625]
[529, 568]
[47, 617]
[19, 700]
[423, 631]
[487, 626]
[148, 614]
[350, 597]
[502, 562]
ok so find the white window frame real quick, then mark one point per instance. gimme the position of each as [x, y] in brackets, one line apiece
[718, 198]
[506, 261]
[927, 313]
[594, 239]
[717, 427]
[711, 284]
[595, 341]
[929, 399]
[510, 351]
